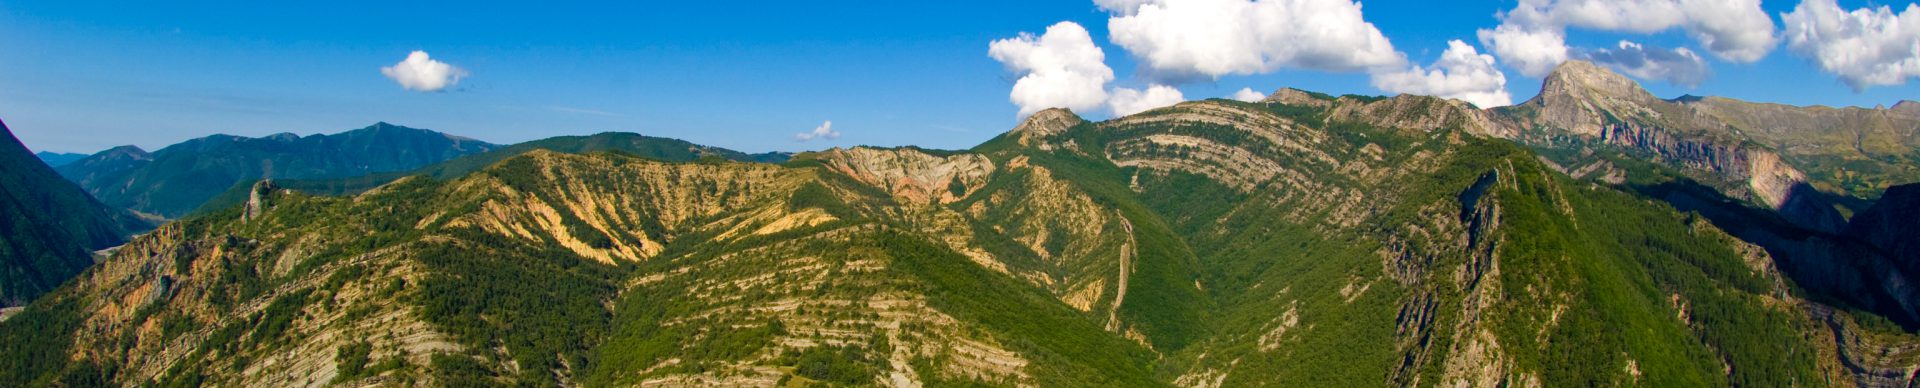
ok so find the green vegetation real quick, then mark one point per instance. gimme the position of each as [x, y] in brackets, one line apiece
[351, 361]
[38, 341]
[1070, 350]
[841, 365]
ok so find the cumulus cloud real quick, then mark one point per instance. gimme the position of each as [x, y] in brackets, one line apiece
[1179, 40]
[1734, 30]
[1865, 47]
[824, 131]
[1534, 52]
[421, 73]
[1061, 68]
[1248, 95]
[1126, 102]
[1460, 73]
[1678, 66]
[1532, 36]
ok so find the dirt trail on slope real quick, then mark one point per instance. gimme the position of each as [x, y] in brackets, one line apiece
[1126, 269]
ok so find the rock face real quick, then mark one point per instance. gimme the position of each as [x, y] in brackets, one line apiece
[1047, 123]
[915, 176]
[258, 199]
[1853, 152]
[1578, 97]
[176, 180]
[48, 226]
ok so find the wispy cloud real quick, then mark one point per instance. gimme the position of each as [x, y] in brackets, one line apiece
[1678, 66]
[584, 111]
[824, 131]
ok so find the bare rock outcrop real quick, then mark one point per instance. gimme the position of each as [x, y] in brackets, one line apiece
[913, 175]
[1297, 97]
[259, 198]
[1044, 124]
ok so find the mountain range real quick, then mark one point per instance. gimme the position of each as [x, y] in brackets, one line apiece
[1595, 235]
[176, 180]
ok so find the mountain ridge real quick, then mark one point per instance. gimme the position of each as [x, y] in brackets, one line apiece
[175, 180]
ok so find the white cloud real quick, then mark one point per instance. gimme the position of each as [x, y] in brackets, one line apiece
[1123, 7]
[824, 131]
[1532, 36]
[1460, 73]
[1534, 52]
[1059, 69]
[1734, 30]
[1248, 95]
[1678, 66]
[423, 74]
[1866, 47]
[1183, 39]
[1126, 102]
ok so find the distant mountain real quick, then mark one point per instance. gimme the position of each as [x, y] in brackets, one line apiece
[58, 159]
[176, 180]
[1303, 240]
[655, 148]
[49, 228]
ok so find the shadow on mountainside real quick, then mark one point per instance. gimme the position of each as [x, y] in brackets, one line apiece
[1832, 268]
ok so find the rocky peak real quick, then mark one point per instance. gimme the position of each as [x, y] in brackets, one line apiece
[1584, 99]
[1046, 123]
[259, 198]
[1587, 81]
[1291, 96]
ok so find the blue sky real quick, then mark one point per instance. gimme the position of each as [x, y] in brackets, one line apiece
[82, 76]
